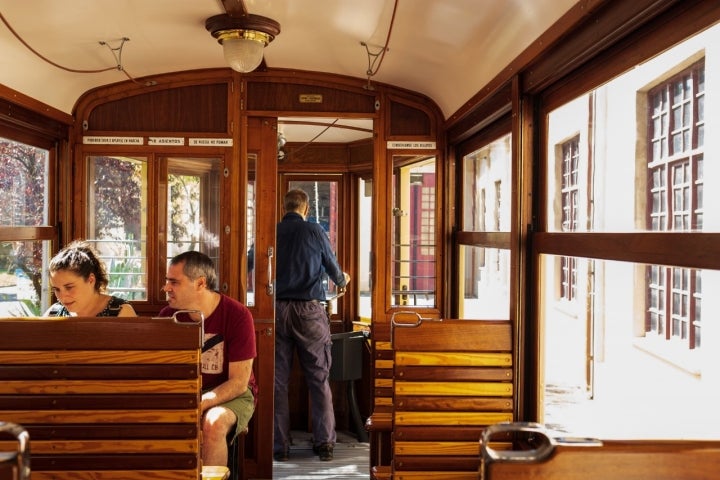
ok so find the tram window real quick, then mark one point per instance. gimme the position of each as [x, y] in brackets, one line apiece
[610, 171]
[484, 275]
[618, 363]
[24, 255]
[194, 206]
[483, 271]
[116, 221]
[413, 232]
[486, 187]
[628, 349]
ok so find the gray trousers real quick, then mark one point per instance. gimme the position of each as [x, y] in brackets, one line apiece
[303, 327]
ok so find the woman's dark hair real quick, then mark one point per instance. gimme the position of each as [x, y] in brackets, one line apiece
[80, 258]
[197, 265]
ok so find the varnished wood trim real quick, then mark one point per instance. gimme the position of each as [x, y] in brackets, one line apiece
[652, 248]
[87, 357]
[35, 106]
[101, 416]
[453, 359]
[430, 419]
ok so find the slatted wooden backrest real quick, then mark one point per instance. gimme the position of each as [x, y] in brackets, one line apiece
[379, 424]
[104, 398]
[585, 459]
[451, 379]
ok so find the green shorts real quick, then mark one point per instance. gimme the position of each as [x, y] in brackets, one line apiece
[243, 407]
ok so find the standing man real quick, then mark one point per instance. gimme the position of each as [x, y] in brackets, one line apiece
[304, 254]
[228, 383]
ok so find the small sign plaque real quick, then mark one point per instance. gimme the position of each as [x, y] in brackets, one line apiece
[311, 98]
[102, 140]
[411, 145]
[166, 141]
[211, 142]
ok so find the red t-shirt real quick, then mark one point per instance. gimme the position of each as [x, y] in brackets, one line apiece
[233, 321]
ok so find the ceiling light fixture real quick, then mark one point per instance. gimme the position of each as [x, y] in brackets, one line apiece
[243, 38]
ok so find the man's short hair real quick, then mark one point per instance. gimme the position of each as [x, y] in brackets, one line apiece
[295, 199]
[196, 265]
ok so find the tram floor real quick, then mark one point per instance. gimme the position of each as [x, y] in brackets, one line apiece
[351, 460]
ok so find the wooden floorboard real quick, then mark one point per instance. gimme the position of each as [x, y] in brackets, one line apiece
[351, 460]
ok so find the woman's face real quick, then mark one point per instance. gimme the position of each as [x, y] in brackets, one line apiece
[74, 292]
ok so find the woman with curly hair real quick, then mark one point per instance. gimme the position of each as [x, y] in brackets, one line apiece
[78, 279]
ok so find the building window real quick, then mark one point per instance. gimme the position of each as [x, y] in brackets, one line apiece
[675, 199]
[569, 195]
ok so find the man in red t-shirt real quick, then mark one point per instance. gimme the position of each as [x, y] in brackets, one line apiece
[228, 383]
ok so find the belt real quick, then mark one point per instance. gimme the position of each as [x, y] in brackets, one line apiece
[297, 300]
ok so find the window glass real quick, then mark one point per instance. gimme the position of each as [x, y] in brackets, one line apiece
[629, 155]
[413, 233]
[193, 207]
[486, 189]
[484, 275]
[631, 350]
[23, 275]
[23, 203]
[250, 231]
[117, 221]
[634, 354]
[364, 280]
[23, 184]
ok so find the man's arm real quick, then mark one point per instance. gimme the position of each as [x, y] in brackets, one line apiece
[236, 384]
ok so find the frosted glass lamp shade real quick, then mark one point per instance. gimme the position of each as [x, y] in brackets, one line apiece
[243, 54]
[243, 38]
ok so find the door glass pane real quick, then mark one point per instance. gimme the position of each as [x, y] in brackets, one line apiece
[117, 221]
[364, 280]
[324, 197]
[250, 232]
[194, 206]
[413, 232]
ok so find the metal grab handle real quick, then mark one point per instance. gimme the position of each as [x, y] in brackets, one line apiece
[270, 289]
[533, 455]
[538, 454]
[395, 323]
[23, 453]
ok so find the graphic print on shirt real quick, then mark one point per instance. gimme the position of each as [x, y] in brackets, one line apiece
[212, 359]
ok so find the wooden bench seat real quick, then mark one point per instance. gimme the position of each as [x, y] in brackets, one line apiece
[379, 423]
[451, 379]
[538, 456]
[104, 398]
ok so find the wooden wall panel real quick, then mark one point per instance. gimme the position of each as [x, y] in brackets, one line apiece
[198, 108]
[287, 97]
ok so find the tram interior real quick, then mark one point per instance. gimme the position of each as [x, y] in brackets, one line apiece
[522, 192]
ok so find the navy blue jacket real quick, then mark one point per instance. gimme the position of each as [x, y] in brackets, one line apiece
[304, 254]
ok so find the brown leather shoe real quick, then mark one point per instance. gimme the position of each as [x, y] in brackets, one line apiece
[281, 456]
[324, 451]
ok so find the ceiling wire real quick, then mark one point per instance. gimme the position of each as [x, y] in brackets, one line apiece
[378, 57]
[118, 56]
[315, 137]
